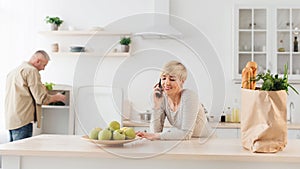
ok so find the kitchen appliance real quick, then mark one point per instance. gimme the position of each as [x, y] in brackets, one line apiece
[146, 116]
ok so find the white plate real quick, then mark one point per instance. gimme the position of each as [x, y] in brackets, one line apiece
[109, 142]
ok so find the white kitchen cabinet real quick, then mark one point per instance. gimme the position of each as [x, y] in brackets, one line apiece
[227, 133]
[251, 38]
[288, 28]
[266, 35]
[91, 40]
[222, 130]
[236, 133]
[59, 119]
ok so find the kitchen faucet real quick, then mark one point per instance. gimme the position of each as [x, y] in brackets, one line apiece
[291, 107]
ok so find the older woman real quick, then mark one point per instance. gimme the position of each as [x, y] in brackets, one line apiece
[180, 106]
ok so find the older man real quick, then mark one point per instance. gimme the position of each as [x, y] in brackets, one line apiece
[25, 93]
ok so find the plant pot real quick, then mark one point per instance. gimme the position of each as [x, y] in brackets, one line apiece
[124, 48]
[54, 27]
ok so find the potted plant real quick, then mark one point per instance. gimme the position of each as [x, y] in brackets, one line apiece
[125, 41]
[54, 21]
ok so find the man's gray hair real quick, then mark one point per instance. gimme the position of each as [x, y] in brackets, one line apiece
[45, 54]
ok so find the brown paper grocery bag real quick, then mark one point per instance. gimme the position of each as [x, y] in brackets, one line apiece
[263, 120]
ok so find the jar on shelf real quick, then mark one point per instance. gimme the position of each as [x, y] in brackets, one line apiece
[228, 114]
[280, 46]
[235, 115]
[54, 47]
[246, 48]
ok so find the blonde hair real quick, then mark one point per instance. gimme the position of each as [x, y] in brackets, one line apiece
[175, 68]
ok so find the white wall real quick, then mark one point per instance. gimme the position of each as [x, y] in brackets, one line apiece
[21, 24]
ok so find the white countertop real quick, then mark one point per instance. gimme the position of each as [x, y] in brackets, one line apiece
[74, 146]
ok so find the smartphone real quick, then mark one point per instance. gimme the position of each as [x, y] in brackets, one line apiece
[159, 93]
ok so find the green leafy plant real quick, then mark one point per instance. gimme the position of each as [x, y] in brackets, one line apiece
[274, 82]
[54, 20]
[49, 86]
[125, 41]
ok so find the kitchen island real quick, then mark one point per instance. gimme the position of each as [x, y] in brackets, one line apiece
[72, 152]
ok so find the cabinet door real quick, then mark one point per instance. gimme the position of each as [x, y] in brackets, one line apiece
[293, 134]
[287, 32]
[251, 39]
[55, 121]
[226, 133]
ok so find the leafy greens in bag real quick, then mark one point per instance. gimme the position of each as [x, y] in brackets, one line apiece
[273, 82]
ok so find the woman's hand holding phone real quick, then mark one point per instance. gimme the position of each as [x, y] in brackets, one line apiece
[158, 92]
[158, 89]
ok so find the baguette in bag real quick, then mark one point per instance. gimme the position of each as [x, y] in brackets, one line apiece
[249, 75]
[246, 78]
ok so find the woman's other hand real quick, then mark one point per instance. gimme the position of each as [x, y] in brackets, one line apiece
[149, 136]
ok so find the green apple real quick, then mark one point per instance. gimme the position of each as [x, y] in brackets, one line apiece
[94, 133]
[105, 134]
[118, 135]
[123, 129]
[130, 133]
[114, 125]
